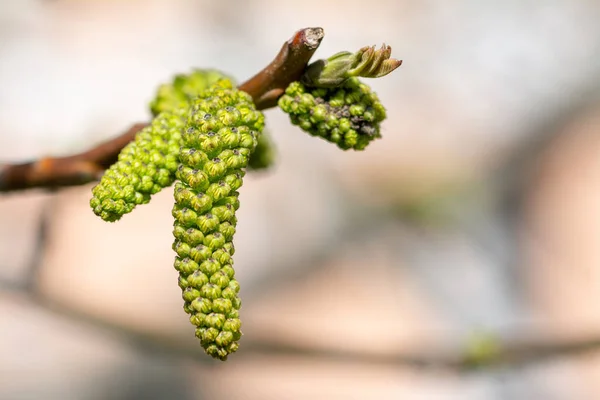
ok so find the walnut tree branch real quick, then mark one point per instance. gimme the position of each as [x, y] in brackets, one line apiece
[265, 88]
[288, 66]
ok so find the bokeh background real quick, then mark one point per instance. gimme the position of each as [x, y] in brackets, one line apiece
[456, 258]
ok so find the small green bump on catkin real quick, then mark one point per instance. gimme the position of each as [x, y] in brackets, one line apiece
[222, 131]
[144, 167]
[348, 115]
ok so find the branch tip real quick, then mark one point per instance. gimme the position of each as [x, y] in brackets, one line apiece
[310, 37]
[367, 62]
[288, 66]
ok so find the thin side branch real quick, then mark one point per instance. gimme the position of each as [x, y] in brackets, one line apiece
[265, 88]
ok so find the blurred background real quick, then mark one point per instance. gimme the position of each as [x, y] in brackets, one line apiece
[456, 258]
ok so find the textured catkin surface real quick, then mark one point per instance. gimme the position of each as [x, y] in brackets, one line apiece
[221, 133]
[186, 87]
[348, 116]
[145, 166]
[148, 164]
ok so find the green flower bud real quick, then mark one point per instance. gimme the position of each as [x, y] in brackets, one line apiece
[189, 294]
[199, 253]
[222, 306]
[210, 291]
[220, 279]
[227, 230]
[181, 248]
[197, 279]
[220, 135]
[218, 191]
[210, 266]
[234, 180]
[207, 223]
[191, 236]
[215, 320]
[232, 325]
[202, 305]
[186, 216]
[348, 115]
[208, 335]
[228, 269]
[214, 240]
[224, 338]
[196, 319]
[224, 257]
[186, 266]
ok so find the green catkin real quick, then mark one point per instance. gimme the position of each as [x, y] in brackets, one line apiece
[221, 133]
[185, 88]
[348, 115]
[144, 167]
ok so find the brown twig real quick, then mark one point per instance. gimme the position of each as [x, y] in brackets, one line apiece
[265, 88]
[288, 66]
[54, 172]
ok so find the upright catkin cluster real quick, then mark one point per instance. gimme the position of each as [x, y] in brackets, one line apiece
[144, 167]
[348, 115]
[221, 133]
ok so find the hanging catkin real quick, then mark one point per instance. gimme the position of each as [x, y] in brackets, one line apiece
[221, 133]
